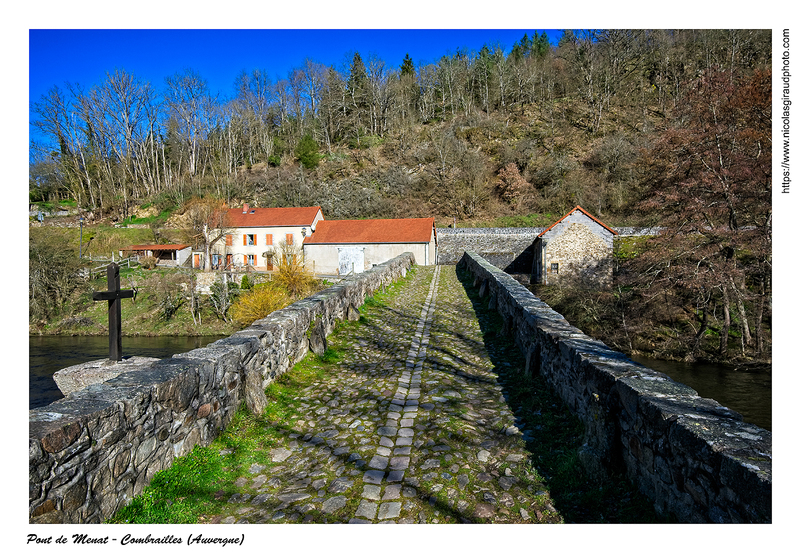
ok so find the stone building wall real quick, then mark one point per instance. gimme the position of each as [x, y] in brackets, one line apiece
[694, 458]
[92, 451]
[510, 249]
[580, 253]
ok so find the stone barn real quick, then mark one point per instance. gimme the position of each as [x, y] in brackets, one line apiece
[577, 247]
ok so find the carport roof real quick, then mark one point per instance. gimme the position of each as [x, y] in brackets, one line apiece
[156, 247]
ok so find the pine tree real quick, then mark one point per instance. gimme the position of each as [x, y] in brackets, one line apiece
[407, 69]
[306, 152]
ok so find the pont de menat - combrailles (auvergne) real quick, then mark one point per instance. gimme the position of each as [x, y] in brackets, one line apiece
[170, 539]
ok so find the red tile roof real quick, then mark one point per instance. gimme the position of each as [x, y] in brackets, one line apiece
[156, 247]
[576, 208]
[272, 216]
[372, 231]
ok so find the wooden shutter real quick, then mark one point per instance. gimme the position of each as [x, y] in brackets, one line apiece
[269, 239]
[244, 239]
[254, 239]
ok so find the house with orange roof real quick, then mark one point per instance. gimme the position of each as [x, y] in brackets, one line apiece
[254, 236]
[577, 246]
[353, 246]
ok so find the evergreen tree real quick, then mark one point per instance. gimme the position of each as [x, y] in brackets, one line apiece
[407, 69]
[306, 152]
[357, 80]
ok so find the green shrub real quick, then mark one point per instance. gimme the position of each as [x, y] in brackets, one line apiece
[307, 152]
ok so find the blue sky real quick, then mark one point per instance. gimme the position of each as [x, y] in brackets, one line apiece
[84, 56]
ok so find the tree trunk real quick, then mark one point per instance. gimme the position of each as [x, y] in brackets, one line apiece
[698, 338]
[726, 322]
[746, 337]
[759, 317]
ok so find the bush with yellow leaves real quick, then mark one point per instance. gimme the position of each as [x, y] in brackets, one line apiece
[292, 275]
[259, 302]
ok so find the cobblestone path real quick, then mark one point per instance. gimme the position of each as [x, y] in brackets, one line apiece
[412, 427]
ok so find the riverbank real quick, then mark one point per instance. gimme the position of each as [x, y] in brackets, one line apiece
[162, 306]
[667, 333]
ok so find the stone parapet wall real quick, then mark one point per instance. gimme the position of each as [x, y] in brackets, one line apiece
[695, 459]
[92, 451]
[511, 249]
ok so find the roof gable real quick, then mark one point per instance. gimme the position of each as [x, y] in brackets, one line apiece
[272, 216]
[373, 231]
[578, 208]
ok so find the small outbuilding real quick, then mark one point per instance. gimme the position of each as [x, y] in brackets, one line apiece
[165, 254]
[353, 246]
[576, 247]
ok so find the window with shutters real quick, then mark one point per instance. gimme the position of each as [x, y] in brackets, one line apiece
[289, 239]
[229, 239]
[269, 239]
[249, 239]
[251, 259]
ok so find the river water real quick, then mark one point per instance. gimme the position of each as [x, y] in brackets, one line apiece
[48, 354]
[748, 392]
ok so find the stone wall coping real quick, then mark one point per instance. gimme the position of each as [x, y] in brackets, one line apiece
[535, 231]
[629, 409]
[92, 451]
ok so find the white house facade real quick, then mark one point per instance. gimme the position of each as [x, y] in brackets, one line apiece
[353, 246]
[254, 236]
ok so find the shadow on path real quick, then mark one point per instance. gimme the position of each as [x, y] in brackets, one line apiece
[553, 435]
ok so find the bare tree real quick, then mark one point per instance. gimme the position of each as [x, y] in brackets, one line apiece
[190, 106]
[208, 220]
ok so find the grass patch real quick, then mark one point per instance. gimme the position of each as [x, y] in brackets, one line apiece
[193, 489]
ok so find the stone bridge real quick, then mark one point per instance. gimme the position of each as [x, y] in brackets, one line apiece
[422, 420]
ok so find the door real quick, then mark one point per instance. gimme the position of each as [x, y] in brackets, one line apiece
[351, 260]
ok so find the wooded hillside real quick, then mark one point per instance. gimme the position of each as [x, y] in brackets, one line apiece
[475, 135]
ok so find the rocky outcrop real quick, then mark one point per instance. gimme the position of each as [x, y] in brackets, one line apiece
[92, 451]
[693, 457]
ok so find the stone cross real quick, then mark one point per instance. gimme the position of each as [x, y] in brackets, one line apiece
[113, 297]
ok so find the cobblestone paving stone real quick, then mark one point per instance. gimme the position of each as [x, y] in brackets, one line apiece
[412, 428]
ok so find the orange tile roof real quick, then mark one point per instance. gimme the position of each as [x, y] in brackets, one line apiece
[156, 247]
[372, 231]
[272, 216]
[577, 208]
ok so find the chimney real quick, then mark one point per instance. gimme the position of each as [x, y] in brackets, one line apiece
[246, 208]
